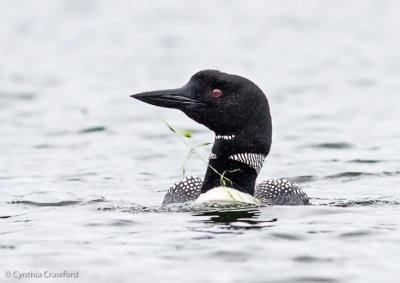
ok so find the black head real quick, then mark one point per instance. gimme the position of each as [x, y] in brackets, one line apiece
[226, 104]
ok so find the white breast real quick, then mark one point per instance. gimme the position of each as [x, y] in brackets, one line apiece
[226, 195]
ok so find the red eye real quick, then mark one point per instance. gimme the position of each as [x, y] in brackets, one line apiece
[216, 93]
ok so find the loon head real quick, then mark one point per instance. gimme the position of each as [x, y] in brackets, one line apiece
[227, 104]
[235, 109]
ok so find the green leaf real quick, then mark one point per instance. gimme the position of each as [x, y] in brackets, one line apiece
[187, 134]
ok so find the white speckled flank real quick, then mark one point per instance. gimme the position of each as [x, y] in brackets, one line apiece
[280, 192]
[274, 191]
[187, 189]
[254, 160]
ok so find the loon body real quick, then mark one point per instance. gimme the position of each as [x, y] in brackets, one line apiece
[237, 111]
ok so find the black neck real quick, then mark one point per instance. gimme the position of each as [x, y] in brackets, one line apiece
[235, 174]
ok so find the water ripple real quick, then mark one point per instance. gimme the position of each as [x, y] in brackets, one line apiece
[355, 234]
[349, 175]
[41, 204]
[287, 236]
[93, 130]
[329, 145]
[367, 202]
[312, 279]
[312, 259]
[57, 203]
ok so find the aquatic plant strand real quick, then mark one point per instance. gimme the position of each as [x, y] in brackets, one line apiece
[193, 151]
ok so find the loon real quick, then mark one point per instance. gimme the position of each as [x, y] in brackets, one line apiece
[237, 111]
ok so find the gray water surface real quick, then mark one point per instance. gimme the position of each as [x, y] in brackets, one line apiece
[84, 168]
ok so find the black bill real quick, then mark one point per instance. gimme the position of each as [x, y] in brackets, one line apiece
[172, 98]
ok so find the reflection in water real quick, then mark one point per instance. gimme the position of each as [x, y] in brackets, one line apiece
[235, 219]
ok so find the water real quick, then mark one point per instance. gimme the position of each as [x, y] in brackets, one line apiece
[84, 168]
